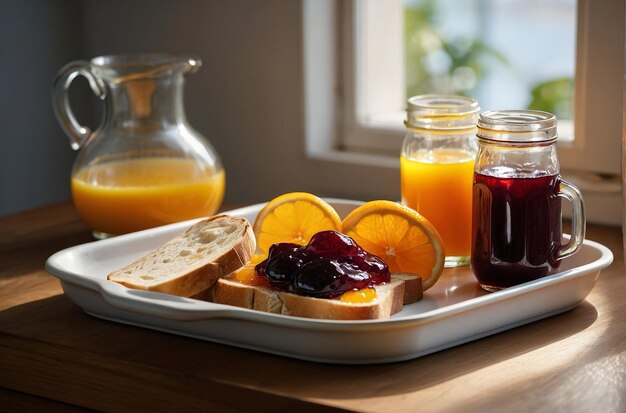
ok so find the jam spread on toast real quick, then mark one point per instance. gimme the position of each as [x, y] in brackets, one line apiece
[330, 265]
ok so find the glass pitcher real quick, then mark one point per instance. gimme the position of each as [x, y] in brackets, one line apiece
[144, 165]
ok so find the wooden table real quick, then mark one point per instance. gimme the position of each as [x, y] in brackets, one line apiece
[54, 356]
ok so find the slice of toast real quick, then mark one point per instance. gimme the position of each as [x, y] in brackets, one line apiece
[193, 261]
[403, 289]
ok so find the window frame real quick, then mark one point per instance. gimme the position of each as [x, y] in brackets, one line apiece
[366, 129]
[339, 134]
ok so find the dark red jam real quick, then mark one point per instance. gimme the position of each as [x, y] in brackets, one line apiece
[517, 228]
[328, 266]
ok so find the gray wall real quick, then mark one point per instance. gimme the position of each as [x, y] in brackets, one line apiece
[248, 91]
[36, 38]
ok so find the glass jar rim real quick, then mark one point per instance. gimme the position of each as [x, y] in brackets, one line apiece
[517, 126]
[436, 104]
[442, 112]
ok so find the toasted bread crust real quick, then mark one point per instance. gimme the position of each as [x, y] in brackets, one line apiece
[202, 276]
[391, 297]
[413, 291]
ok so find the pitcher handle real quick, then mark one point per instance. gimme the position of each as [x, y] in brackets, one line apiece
[573, 194]
[77, 133]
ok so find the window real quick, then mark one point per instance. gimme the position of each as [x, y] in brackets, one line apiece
[506, 54]
[365, 91]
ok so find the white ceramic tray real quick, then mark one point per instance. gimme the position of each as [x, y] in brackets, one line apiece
[456, 310]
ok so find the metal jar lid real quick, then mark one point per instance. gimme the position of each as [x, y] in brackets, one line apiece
[519, 127]
[441, 112]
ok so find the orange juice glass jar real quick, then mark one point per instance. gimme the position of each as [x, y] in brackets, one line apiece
[437, 166]
[144, 166]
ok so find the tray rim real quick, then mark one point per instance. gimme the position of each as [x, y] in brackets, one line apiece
[202, 310]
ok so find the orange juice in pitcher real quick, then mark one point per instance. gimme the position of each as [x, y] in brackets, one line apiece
[437, 166]
[125, 196]
[145, 165]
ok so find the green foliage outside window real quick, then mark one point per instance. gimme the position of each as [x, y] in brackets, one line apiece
[438, 64]
[555, 96]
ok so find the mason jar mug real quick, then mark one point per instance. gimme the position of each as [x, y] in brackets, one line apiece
[517, 191]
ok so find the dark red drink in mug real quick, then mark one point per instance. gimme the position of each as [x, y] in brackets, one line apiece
[516, 211]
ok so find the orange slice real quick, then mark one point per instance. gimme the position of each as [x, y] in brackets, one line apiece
[404, 239]
[293, 217]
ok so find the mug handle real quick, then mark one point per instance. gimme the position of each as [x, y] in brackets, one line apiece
[572, 194]
[77, 133]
